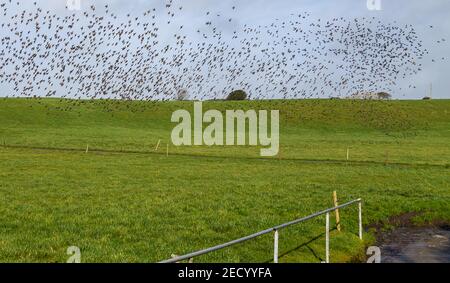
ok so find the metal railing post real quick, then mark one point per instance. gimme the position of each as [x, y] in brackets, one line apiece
[327, 237]
[360, 218]
[275, 247]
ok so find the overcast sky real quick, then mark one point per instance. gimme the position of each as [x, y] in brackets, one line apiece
[419, 13]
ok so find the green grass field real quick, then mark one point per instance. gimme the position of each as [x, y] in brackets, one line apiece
[125, 202]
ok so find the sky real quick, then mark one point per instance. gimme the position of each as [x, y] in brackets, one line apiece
[418, 13]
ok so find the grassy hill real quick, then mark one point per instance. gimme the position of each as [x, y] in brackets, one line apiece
[124, 201]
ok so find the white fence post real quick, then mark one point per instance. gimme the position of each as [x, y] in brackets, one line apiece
[360, 219]
[275, 247]
[327, 238]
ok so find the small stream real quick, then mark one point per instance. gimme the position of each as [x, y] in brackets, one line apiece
[415, 245]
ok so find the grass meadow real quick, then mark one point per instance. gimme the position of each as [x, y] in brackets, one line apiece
[124, 201]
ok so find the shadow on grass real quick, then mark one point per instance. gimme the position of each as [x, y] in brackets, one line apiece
[304, 245]
[301, 160]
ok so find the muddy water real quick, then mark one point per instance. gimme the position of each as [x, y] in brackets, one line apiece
[415, 245]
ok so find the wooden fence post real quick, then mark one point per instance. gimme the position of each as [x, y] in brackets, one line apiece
[157, 145]
[338, 220]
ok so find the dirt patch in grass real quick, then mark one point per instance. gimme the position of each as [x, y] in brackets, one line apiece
[401, 220]
[406, 220]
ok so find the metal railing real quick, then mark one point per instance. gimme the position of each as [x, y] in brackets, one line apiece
[275, 229]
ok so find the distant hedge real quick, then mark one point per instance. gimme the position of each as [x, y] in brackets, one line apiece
[237, 95]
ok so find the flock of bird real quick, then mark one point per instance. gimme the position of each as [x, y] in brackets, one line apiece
[96, 54]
